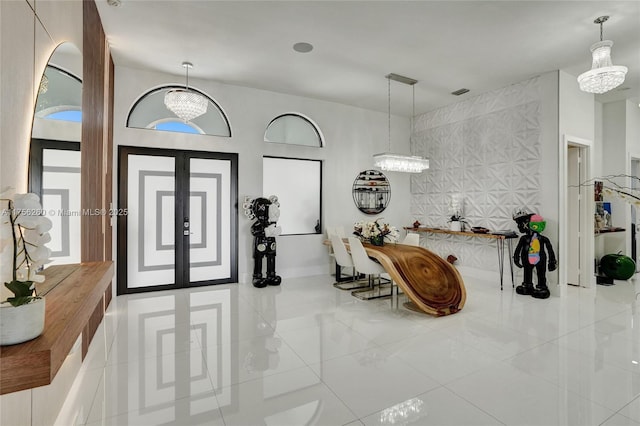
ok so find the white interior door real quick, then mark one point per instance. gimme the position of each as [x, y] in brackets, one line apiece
[574, 245]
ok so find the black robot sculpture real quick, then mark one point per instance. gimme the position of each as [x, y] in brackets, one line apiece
[266, 212]
[532, 252]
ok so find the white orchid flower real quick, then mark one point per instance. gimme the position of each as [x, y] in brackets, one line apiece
[36, 264]
[25, 245]
[40, 253]
[27, 221]
[34, 237]
[44, 224]
[26, 201]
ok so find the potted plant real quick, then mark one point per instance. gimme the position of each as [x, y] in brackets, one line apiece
[455, 213]
[23, 235]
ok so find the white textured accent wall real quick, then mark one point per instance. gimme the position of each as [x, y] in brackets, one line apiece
[487, 149]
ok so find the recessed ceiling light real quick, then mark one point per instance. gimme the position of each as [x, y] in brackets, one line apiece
[303, 47]
[114, 3]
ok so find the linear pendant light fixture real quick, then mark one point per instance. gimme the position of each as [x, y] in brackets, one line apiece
[393, 162]
[603, 75]
[185, 103]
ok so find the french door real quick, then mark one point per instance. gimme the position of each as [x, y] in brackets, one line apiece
[177, 219]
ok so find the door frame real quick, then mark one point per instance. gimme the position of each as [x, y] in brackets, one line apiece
[587, 207]
[631, 157]
[181, 185]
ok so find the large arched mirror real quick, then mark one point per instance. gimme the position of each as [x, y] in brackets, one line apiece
[54, 158]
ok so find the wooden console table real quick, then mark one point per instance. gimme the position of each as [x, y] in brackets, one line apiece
[76, 296]
[499, 237]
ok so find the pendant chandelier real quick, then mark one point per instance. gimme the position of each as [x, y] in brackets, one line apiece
[185, 103]
[603, 75]
[393, 162]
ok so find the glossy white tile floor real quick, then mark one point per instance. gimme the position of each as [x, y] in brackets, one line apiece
[306, 353]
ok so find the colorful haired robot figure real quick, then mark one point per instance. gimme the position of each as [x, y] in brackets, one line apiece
[531, 253]
[264, 230]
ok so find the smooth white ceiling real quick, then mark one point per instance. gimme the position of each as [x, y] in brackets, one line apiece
[445, 45]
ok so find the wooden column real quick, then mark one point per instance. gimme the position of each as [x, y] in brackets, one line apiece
[96, 152]
[93, 141]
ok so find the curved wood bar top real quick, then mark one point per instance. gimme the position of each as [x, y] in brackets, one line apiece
[431, 283]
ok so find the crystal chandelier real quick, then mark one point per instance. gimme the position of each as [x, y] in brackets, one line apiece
[393, 162]
[603, 75]
[185, 103]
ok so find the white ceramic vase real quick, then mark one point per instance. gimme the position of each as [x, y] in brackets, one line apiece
[21, 323]
[456, 225]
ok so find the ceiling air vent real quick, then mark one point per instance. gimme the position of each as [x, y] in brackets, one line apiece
[460, 92]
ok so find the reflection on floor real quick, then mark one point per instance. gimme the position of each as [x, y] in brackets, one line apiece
[306, 353]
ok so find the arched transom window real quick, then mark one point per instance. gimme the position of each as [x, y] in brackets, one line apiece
[295, 129]
[150, 112]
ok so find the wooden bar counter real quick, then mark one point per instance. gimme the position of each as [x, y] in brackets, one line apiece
[432, 284]
[76, 295]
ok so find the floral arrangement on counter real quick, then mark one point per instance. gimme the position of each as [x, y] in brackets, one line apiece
[26, 230]
[375, 232]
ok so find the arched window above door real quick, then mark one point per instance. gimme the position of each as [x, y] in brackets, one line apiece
[294, 129]
[150, 112]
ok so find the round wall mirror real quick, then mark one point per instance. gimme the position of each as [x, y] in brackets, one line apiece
[54, 157]
[371, 192]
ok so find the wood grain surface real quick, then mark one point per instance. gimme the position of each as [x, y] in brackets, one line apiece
[431, 283]
[97, 138]
[70, 306]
